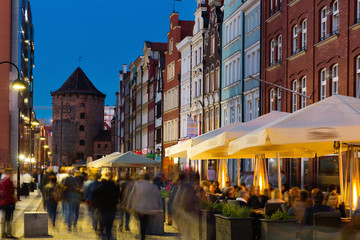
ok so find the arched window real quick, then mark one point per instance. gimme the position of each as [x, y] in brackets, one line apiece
[82, 142]
[278, 97]
[294, 41]
[357, 92]
[294, 96]
[82, 128]
[323, 84]
[82, 115]
[303, 91]
[323, 24]
[304, 34]
[272, 52]
[279, 50]
[272, 98]
[335, 79]
[335, 16]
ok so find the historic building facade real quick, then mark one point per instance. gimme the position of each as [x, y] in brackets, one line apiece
[179, 29]
[310, 47]
[78, 117]
[232, 50]
[212, 67]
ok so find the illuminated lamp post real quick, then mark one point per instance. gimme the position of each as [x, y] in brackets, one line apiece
[18, 85]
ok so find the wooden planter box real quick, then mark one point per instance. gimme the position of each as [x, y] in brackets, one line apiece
[278, 229]
[233, 228]
[208, 224]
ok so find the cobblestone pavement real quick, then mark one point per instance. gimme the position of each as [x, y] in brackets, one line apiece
[85, 231]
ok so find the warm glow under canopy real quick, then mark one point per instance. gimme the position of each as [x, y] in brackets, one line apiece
[306, 132]
[217, 146]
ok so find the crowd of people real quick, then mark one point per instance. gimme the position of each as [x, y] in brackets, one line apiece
[106, 196]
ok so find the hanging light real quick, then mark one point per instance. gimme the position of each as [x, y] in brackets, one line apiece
[42, 138]
[18, 84]
[35, 122]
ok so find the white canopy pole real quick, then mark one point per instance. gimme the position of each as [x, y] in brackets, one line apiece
[238, 171]
[341, 173]
[279, 171]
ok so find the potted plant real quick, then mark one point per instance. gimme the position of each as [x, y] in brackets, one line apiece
[234, 223]
[208, 211]
[280, 225]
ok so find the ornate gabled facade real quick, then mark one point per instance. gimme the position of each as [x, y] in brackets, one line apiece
[212, 67]
[197, 71]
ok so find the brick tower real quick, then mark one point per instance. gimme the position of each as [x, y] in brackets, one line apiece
[78, 117]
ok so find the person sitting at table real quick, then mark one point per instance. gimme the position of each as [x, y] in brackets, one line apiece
[333, 201]
[228, 194]
[267, 193]
[214, 188]
[317, 207]
[257, 201]
[276, 197]
[298, 208]
[242, 197]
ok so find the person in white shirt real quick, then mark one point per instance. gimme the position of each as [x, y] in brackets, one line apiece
[27, 179]
[243, 197]
[276, 197]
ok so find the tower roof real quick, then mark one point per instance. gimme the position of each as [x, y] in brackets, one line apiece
[79, 83]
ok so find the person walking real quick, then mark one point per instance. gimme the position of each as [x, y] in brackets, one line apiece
[7, 202]
[89, 188]
[145, 202]
[106, 197]
[51, 199]
[124, 185]
[27, 179]
[72, 199]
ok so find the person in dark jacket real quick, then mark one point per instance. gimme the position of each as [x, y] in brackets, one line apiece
[49, 197]
[123, 185]
[7, 203]
[318, 207]
[106, 197]
[257, 200]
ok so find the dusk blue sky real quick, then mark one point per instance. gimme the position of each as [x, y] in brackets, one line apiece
[105, 33]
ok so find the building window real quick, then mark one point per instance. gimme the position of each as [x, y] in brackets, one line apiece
[323, 24]
[212, 79]
[303, 35]
[335, 17]
[225, 117]
[82, 142]
[358, 12]
[294, 96]
[249, 110]
[232, 114]
[294, 42]
[99, 145]
[82, 128]
[212, 46]
[239, 113]
[106, 145]
[272, 96]
[171, 44]
[323, 84]
[278, 99]
[335, 79]
[358, 75]
[272, 52]
[82, 105]
[303, 91]
[82, 115]
[217, 80]
[207, 84]
[279, 56]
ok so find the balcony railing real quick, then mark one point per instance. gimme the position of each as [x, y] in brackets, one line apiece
[275, 62]
[335, 32]
[299, 50]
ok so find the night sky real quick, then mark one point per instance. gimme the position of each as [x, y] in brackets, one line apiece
[105, 33]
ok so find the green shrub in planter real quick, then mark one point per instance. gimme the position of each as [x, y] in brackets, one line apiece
[234, 223]
[280, 225]
[211, 207]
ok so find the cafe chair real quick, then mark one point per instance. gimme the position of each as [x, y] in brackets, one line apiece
[326, 225]
[271, 208]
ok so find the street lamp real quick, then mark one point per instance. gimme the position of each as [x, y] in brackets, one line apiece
[18, 85]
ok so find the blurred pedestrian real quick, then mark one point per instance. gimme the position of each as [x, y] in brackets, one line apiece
[51, 198]
[71, 199]
[7, 202]
[124, 185]
[146, 201]
[89, 188]
[106, 197]
[27, 179]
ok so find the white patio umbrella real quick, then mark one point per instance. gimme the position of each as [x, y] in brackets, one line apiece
[128, 159]
[216, 147]
[306, 132]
